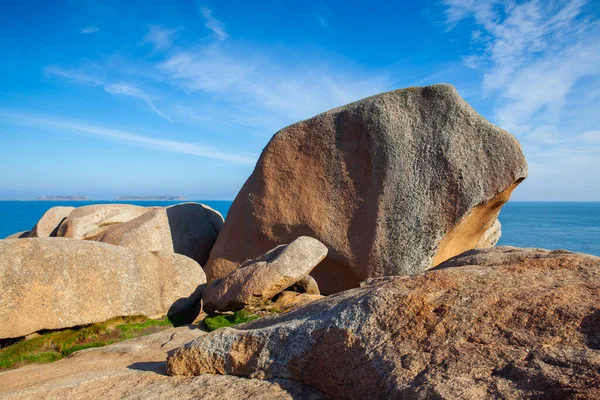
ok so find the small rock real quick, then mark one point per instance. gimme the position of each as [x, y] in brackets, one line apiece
[306, 285]
[257, 281]
[48, 225]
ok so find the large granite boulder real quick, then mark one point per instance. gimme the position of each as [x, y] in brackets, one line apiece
[501, 323]
[89, 221]
[190, 229]
[393, 184]
[258, 281]
[53, 283]
[48, 225]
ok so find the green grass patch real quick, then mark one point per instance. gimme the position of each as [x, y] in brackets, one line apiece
[221, 321]
[54, 345]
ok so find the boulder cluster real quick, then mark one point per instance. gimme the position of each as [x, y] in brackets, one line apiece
[364, 237]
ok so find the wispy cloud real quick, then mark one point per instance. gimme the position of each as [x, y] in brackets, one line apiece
[124, 89]
[532, 54]
[323, 22]
[540, 65]
[214, 24]
[262, 86]
[128, 137]
[81, 76]
[89, 29]
[160, 38]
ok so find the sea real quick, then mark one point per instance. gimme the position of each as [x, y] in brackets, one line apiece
[573, 226]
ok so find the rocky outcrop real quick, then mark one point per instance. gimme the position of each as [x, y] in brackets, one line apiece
[190, 229]
[89, 221]
[288, 300]
[495, 323]
[53, 283]
[48, 225]
[135, 369]
[306, 285]
[18, 235]
[393, 184]
[258, 281]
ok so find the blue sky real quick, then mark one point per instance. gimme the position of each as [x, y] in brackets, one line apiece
[103, 98]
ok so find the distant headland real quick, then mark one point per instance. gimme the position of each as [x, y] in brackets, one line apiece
[61, 198]
[166, 198]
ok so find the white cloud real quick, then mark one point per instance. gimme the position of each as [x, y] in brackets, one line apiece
[323, 22]
[129, 137]
[264, 87]
[533, 54]
[214, 24]
[89, 29]
[124, 89]
[540, 64]
[83, 77]
[80, 76]
[160, 38]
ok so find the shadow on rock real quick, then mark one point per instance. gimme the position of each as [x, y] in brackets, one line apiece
[159, 367]
[185, 310]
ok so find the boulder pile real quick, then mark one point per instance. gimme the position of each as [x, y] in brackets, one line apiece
[389, 206]
[393, 184]
[494, 323]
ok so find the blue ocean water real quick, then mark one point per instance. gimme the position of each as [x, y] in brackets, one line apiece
[550, 225]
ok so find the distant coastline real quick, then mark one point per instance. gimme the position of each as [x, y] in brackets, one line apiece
[62, 198]
[145, 198]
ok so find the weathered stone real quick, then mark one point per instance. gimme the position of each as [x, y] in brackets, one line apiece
[393, 184]
[48, 225]
[89, 219]
[18, 235]
[190, 229]
[135, 369]
[495, 323]
[491, 236]
[257, 281]
[306, 285]
[288, 300]
[53, 283]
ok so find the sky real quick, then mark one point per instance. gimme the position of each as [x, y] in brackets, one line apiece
[109, 98]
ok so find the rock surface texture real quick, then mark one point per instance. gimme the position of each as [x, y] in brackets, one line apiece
[88, 221]
[53, 283]
[393, 184]
[190, 229]
[48, 225]
[135, 369]
[258, 281]
[495, 323]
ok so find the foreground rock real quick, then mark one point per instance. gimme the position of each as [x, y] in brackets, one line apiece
[89, 221]
[54, 283]
[48, 225]
[18, 235]
[135, 369]
[190, 229]
[524, 323]
[393, 184]
[258, 281]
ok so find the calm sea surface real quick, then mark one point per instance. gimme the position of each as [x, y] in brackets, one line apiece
[550, 225]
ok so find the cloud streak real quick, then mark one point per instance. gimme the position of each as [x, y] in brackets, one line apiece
[214, 24]
[160, 38]
[124, 89]
[116, 89]
[129, 137]
[89, 29]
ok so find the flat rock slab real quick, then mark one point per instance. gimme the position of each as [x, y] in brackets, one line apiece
[258, 281]
[55, 283]
[392, 184]
[499, 323]
[135, 369]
